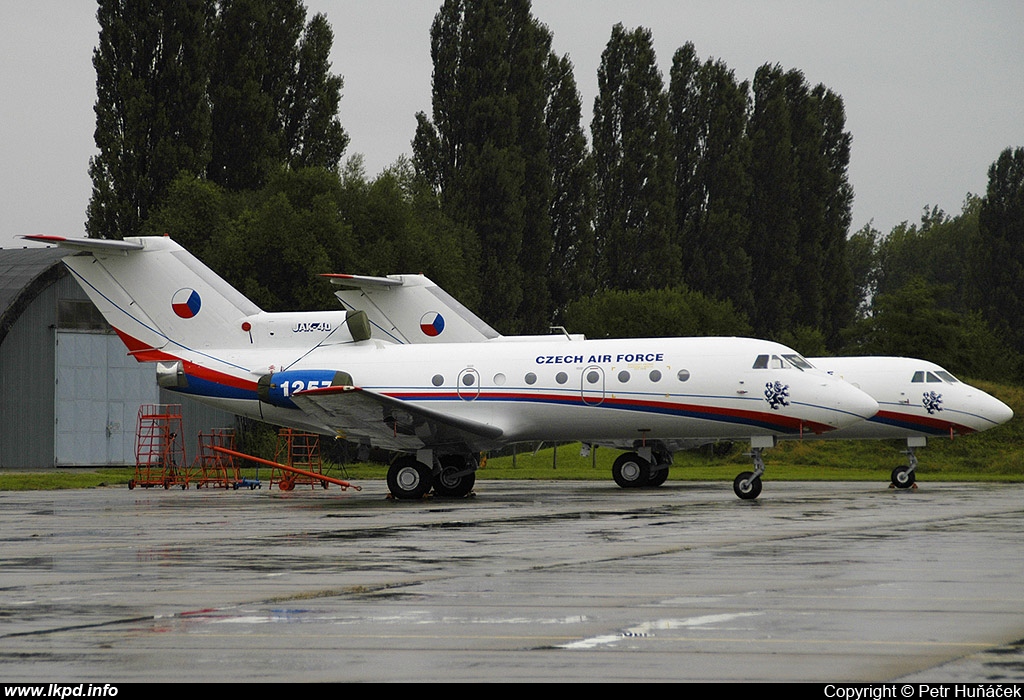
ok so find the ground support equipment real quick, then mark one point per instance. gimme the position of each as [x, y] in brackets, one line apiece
[288, 484]
[159, 448]
[301, 452]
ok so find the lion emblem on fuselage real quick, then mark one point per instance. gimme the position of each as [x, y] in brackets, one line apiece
[932, 401]
[776, 394]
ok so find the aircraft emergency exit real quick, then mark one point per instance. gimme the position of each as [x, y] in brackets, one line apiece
[440, 405]
[918, 399]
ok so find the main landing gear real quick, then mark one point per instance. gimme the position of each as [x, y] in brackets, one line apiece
[648, 466]
[409, 477]
[645, 467]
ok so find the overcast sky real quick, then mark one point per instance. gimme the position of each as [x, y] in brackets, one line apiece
[934, 90]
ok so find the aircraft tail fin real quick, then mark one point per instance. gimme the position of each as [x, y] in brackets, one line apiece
[411, 309]
[156, 294]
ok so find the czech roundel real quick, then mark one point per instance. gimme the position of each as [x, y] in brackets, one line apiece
[432, 324]
[186, 303]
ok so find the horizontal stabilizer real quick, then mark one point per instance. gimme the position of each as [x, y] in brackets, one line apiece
[96, 244]
[360, 281]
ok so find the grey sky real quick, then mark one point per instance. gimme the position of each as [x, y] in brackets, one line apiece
[934, 90]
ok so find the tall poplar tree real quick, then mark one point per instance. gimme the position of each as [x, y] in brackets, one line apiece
[839, 298]
[773, 205]
[634, 167]
[800, 207]
[1000, 251]
[708, 113]
[570, 271]
[152, 115]
[313, 135]
[485, 148]
[274, 100]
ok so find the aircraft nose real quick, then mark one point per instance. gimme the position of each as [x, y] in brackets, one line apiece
[997, 411]
[854, 405]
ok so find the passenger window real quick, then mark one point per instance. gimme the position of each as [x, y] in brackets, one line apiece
[468, 379]
[655, 375]
[531, 378]
[761, 362]
[683, 375]
[593, 377]
[918, 377]
[437, 380]
[623, 376]
[561, 377]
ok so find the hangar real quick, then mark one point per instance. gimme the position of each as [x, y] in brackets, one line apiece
[69, 392]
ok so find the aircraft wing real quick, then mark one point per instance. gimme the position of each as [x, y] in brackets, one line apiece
[392, 423]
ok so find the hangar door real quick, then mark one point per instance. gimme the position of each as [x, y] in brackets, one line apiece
[98, 394]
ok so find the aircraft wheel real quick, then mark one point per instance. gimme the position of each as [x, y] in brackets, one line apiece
[658, 477]
[902, 477]
[449, 482]
[630, 471]
[746, 486]
[408, 479]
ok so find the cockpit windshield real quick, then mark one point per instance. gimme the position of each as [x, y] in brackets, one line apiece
[781, 362]
[937, 377]
[799, 362]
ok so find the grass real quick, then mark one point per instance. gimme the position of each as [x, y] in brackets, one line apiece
[995, 455]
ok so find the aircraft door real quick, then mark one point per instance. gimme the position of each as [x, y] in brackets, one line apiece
[592, 385]
[468, 384]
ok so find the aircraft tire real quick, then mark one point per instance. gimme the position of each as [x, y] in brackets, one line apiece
[746, 486]
[657, 477]
[408, 479]
[902, 477]
[631, 471]
[451, 486]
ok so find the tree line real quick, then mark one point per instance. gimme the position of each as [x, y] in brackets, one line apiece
[700, 205]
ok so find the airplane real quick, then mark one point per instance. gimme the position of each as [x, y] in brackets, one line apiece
[441, 406]
[917, 399]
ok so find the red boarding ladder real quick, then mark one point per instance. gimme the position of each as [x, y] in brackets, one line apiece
[159, 448]
[301, 453]
[214, 468]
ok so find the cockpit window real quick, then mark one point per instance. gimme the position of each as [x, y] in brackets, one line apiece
[799, 362]
[930, 377]
[947, 376]
[918, 377]
[784, 362]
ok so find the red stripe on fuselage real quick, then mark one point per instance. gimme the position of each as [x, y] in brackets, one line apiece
[782, 422]
[147, 353]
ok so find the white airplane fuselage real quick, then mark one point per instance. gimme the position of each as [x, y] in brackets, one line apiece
[916, 398]
[595, 391]
[323, 371]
